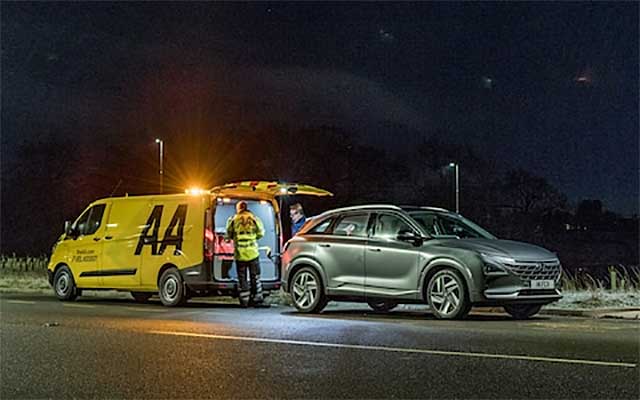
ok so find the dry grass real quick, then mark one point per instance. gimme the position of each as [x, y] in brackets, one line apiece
[29, 274]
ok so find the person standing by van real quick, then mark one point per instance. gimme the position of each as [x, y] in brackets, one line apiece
[297, 218]
[244, 228]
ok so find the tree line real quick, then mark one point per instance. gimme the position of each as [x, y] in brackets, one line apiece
[52, 179]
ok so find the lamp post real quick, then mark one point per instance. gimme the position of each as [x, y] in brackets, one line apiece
[160, 143]
[456, 169]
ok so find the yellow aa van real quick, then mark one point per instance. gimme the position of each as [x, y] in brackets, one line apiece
[171, 245]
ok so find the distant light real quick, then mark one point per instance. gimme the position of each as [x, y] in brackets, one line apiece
[452, 165]
[158, 140]
[226, 200]
[487, 82]
[283, 190]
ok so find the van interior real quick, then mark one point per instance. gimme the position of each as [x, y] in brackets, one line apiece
[224, 266]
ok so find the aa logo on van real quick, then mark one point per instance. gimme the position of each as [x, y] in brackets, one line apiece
[168, 239]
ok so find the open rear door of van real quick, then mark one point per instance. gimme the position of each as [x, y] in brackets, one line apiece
[266, 190]
[261, 197]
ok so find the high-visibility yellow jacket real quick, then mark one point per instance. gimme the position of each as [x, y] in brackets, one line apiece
[245, 229]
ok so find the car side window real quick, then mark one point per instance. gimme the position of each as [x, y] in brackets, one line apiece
[387, 227]
[449, 226]
[352, 225]
[90, 220]
[321, 228]
[428, 222]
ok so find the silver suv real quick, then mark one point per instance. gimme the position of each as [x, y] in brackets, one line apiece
[387, 255]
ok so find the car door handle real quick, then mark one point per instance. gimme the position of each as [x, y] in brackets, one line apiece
[95, 239]
[108, 237]
[375, 249]
[325, 245]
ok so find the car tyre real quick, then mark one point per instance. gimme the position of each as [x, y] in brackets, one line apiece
[64, 285]
[522, 311]
[307, 291]
[447, 295]
[382, 305]
[171, 288]
[141, 297]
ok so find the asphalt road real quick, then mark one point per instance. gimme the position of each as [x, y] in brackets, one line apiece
[107, 348]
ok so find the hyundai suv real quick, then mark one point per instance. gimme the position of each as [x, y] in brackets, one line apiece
[387, 255]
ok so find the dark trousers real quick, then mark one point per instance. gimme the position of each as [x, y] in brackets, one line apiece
[249, 294]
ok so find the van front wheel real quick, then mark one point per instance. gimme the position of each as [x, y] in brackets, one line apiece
[64, 285]
[171, 288]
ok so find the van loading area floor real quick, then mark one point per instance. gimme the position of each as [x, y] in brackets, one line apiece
[115, 348]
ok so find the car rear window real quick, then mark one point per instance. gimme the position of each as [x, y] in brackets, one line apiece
[321, 228]
[352, 225]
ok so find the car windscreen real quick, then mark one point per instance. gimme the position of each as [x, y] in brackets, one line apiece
[449, 225]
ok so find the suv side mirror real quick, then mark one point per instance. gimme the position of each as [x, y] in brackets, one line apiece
[410, 236]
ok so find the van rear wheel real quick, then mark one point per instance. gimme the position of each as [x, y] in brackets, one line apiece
[171, 288]
[64, 285]
[141, 297]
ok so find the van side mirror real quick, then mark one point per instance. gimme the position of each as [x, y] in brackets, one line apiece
[410, 236]
[69, 231]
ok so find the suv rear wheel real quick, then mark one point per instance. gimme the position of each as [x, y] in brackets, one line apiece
[447, 295]
[307, 291]
[522, 311]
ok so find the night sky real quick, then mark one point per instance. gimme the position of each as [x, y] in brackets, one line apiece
[549, 87]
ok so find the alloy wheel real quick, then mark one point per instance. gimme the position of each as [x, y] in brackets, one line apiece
[446, 293]
[305, 289]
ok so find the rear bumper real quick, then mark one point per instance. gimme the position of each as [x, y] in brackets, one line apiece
[198, 278]
[50, 277]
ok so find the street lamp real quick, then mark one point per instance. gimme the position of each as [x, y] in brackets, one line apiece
[160, 143]
[456, 168]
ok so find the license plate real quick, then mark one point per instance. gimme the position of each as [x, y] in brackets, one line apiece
[542, 284]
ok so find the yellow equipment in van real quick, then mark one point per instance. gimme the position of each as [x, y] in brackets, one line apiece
[168, 244]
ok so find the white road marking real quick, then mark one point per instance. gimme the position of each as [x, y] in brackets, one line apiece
[145, 309]
[78, 305]
[400, 349]
[21, 302]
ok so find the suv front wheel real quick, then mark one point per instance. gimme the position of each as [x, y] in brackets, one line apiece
[447, 295]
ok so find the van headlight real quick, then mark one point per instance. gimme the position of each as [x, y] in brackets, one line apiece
[495, 265]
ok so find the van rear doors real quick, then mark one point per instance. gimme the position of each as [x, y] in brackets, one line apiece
[261, 197]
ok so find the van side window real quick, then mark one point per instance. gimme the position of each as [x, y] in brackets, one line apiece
[89, 222]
